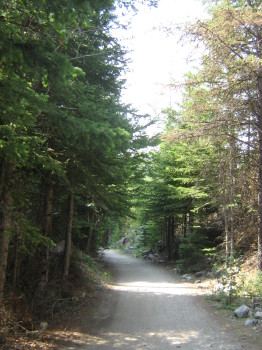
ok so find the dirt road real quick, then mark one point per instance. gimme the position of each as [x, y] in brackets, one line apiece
[147, 307]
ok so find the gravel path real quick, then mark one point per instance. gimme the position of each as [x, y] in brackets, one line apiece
[147, 307]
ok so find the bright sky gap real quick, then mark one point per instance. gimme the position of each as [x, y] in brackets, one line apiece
[157, 59]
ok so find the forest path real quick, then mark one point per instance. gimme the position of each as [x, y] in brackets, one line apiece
[148, 308]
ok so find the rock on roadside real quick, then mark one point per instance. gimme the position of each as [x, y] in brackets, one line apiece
[242, 311]
[186, 278]
[250, 322]
[258, 315]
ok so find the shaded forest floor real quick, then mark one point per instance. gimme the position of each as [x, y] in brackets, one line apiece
[57, 310]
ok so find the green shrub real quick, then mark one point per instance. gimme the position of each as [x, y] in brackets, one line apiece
[193, 252]
[252, 286]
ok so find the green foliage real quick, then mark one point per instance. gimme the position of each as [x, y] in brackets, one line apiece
[83, 264]
[227, 277]
[236, 285]
[150, 235]
[115, 235]
[252, 286]
[193, 252]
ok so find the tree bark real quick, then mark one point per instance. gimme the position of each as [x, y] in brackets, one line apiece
[6, 202]
[47, 227]
[259, 126]
[225, 213]
[2, 176]
[191, 221]
[16, 264]
[232, 195]
[89, 241]
[259, 241]
[68, 239]
[259, 122]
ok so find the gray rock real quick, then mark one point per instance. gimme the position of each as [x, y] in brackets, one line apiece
[146, 252]
[209, 275]
[258, 315]
[242, 311]
[186, 278]
[199, 274]
[250, 322]
[229, 289]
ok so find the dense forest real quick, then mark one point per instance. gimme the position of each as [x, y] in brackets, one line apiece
[69, 147]
[77, 169]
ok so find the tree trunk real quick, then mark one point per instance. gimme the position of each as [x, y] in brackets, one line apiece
[68, 239]
[5, 221]
[47, 226]
[191, 221]
[16, 263]
[259, 241]
[259, 122]
[259, 125]
[89, 241]
[2, 176]
[225, 213]
[232, 195]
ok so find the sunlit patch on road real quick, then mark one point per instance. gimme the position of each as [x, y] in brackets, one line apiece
[158, 288]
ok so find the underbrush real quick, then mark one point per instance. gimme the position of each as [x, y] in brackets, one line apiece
[238, 283]
[58, 305]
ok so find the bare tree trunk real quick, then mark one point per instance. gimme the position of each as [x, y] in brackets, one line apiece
[223, 181]
[47, 227]
[259, 122]
[5, 221]
[259, 125]
[16, 264]
[68, 239]
[259, 241]
[232, 195]
[225, 213]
